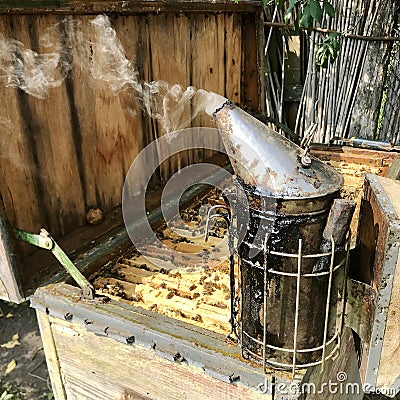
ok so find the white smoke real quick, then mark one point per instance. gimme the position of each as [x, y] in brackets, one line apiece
[98, 50]
[32, 72]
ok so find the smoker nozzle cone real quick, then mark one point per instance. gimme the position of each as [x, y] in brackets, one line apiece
[268, 162]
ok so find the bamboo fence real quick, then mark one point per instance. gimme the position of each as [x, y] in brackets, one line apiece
[345, 98]
[389, 130]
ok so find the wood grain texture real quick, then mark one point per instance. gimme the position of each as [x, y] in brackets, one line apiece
[19, 176]
[119, 371]
[9, 277]
[51, 356]
[53, 137]
[130, 6]
[208, 43]
[233, 59]
[388, 367]
[71, 150]
[170, 49]
[249, 87]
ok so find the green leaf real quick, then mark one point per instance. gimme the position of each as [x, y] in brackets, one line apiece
[289, 11]
[315, 10]
[287, 16]
[329, 9]
[336, 45]
[306, 19]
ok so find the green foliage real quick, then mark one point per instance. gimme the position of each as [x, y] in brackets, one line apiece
[329, 9]
[305, 14]
[308, 11]
[328, 50]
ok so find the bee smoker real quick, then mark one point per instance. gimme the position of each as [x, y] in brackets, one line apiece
[288, 313]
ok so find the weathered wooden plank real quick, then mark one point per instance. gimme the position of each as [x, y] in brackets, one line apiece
[109, 124]
[170, 65]
[82, 109]
[131, 6]
[208, 64]
[249, 87]
[132, 140]
[105, 374]
[109, 86]
[9, 276]
[388, 366]
[50, 133]
[52, 360]
[19, 178]
[233, 62]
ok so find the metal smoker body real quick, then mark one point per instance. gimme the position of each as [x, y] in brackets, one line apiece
[279, 246]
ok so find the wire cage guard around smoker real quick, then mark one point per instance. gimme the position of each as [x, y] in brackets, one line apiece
[259, 347]
[330, 345]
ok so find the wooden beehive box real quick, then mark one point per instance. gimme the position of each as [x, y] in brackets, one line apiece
[71, 150]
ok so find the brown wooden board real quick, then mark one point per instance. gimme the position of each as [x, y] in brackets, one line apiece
[391, 347]
[71, 150]
[378, 266]
[130, 6]
[173, 351]
[167, 353]
[105, 375]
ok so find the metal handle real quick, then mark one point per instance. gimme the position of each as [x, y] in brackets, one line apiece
[45, 241]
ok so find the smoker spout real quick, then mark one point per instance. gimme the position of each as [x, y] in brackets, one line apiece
[268, 162]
